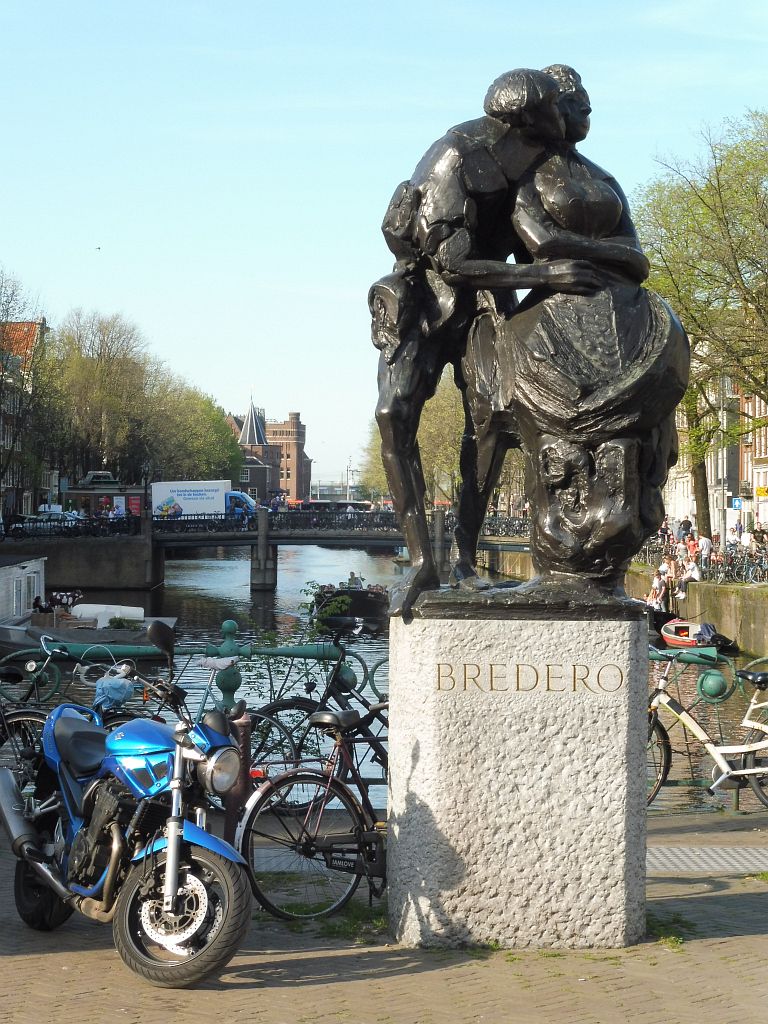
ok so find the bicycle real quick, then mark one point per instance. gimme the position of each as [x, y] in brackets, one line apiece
[39, 679]
[753, 769]
[21, 737]
[308, 837]
[341, 691]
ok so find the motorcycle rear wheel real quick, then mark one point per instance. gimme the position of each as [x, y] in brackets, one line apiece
[38, 906]
[215, 915]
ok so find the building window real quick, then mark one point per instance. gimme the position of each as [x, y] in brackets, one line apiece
[31, 580]
[244, 475]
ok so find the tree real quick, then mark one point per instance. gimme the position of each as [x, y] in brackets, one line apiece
[704, 227]
[122, 409]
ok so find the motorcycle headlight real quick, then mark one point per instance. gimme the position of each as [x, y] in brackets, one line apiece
[218, 773]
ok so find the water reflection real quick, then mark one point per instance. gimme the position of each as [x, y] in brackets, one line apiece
[202, 592]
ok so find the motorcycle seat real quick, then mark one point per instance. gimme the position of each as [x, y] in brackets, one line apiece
[82, 744]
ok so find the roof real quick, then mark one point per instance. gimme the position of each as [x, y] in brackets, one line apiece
[253, 431]
[20, 337]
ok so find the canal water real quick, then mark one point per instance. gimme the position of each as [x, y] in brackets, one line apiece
[202, 592]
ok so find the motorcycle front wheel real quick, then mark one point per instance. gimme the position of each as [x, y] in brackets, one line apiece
[213, 914]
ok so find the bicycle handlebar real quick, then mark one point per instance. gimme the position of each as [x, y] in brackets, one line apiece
[687, 656]
[57, 650]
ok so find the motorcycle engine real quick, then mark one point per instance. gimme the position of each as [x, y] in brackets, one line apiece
[90, 851]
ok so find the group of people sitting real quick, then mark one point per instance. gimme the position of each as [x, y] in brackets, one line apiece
[685, 556]
[671, 579]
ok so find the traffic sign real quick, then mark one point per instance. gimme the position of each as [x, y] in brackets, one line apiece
[738, 502]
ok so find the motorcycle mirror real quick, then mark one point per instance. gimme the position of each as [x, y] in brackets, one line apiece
[162, 636]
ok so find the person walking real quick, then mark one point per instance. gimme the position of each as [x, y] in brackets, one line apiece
[656, 596]
[705, 552]
[692, 545]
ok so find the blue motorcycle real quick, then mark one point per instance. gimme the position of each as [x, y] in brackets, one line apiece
[116, 829]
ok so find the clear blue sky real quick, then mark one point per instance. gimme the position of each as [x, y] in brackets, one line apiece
[217, 171]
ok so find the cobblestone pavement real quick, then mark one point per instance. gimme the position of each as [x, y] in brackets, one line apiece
[709, 965]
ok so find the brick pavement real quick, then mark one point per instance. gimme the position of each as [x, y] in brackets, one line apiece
[716, 974]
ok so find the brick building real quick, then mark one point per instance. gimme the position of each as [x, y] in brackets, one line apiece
[274, 460]
[25, 478]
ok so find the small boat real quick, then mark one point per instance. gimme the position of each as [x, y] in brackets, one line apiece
[346, 607]
[86, 642]
[684, 633]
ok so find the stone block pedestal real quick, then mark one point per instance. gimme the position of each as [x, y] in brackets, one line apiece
[517, 776]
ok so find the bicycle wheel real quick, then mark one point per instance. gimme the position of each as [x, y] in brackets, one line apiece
[19, 682]
[301, 826]
[272, 746]
[658, 757]
[292, 714]
[21, 742]
[757, 783]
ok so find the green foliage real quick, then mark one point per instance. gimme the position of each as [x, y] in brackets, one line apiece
[357, 922]
[117, 406]
[704, 227]
[670, 931]
[118, 622]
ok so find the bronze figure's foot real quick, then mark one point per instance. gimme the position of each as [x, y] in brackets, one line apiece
[418, 579]
[464, 576]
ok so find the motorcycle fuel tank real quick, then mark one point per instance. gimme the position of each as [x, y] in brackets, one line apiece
[141, 736]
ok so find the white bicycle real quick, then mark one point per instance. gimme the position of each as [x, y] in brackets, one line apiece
[736, 765]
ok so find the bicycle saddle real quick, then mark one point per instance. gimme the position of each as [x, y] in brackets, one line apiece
[334, 719]
[758, 679]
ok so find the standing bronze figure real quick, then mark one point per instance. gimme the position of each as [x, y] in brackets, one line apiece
[584, 375]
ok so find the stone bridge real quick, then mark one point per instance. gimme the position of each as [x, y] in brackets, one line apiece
[138, 562]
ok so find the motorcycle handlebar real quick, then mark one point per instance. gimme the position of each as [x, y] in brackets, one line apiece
[166, 689]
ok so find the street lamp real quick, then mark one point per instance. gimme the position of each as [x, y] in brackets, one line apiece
[146, 469]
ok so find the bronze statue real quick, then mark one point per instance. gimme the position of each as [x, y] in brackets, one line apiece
[584, 375]
[450, 228]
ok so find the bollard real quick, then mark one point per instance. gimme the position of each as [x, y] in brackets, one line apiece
[236, 798]
[228, 680]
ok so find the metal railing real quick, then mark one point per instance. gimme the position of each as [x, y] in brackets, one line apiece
[95, 526]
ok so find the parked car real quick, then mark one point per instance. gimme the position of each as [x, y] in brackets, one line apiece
[51, 523]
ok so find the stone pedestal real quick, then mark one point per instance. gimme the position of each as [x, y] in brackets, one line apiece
[517, 775]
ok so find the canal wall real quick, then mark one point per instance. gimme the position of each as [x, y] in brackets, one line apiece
[737, 610]
[94, 563]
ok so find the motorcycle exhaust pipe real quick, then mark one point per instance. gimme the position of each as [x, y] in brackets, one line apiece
[51, 879]
[22, 835]
[103, 910]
